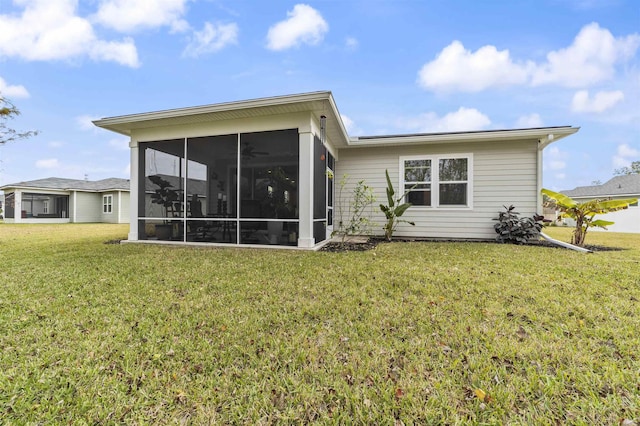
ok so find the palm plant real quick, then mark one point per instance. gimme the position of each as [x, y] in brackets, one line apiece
[584, 213]
[394, 209]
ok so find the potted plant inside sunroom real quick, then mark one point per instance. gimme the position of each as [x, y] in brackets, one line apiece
[167, 197]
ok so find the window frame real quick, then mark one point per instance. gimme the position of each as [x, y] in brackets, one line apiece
[435, 179]
[107, 204]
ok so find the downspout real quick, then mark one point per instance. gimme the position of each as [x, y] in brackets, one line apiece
[541, 145]
[539, 178]
[565, 245]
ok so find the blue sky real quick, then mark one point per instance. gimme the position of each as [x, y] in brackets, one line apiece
[393, 67]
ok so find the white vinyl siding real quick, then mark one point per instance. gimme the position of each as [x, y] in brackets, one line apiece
[123, 207]
[119, 207]
[502, 173]
[88, 207]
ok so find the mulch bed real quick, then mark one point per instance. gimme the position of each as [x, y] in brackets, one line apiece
[372, 243]
[112, 242]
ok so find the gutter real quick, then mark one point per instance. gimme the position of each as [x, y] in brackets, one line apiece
[565, 245]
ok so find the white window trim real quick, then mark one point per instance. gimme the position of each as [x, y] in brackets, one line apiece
[107, 200]
[435, 180]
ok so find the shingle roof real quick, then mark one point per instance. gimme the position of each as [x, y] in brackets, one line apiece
[619, 185]
[108, 184]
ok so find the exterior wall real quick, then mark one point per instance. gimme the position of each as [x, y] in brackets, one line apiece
[625, 221]
[502, 174]
[88, 207]
[123, 207]
[119, 207]
[301, 121]
[113, 216]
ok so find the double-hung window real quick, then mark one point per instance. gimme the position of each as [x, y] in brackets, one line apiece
[440, 181]
[417, 180]
[107, 203]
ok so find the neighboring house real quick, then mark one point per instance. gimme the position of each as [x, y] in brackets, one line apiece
[260, 172]
[57, 200]
[619, 187]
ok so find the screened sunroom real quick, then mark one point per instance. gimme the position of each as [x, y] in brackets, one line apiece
[244, 173]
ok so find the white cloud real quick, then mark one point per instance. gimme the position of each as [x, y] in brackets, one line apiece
[51, 30]
[303, 25]
[528, 121]
[350, 125]
[351, 43]
[464, 119]
[590, 59]
[133, 15]
[121, 144]
[49, 163]
[212, 38]
[11, 91]
[557, 164]
[458, 69]
[555, 160]
[601, 102]
[625, 154]
[85, 122]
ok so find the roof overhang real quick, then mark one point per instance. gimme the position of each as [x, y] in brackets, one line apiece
[42, 188]
[544, 136]
[317, 103]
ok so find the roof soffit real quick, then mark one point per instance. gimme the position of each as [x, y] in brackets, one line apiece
[316, 103]
[543, 136]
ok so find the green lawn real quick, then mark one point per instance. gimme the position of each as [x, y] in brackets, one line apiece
[428, 333]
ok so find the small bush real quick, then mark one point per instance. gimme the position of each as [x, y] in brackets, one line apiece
[511, 228]
[355, 218]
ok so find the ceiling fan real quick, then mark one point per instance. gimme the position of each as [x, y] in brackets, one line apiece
[248, 151]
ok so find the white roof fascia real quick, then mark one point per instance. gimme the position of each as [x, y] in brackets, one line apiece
[593, 197]
[111, 123]
[39, 188]
[35, 188]
[545, 136]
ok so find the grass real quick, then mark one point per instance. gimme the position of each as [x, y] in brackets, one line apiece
[422, 333]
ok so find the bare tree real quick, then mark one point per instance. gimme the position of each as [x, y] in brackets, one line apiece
[8, 111]
[633, 169]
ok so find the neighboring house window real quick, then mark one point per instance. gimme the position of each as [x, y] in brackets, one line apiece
[107, 201]
[45, 207]
[437, 181]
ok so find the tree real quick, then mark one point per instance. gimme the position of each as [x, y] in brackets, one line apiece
[584, 213]
[631, 170]
[8, 111]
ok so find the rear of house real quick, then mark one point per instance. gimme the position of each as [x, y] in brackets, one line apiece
[264, 172]
[459, 184]
[59, 200]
